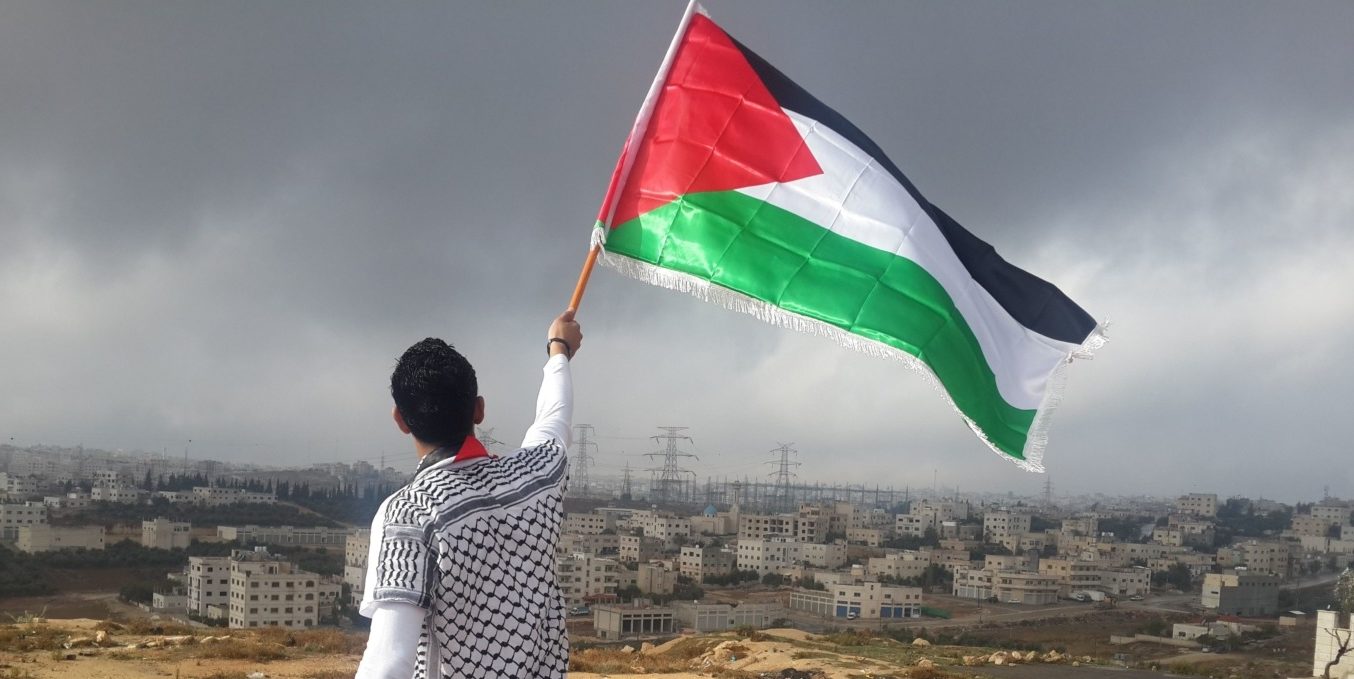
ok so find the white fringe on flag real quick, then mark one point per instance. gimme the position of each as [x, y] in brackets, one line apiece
[704, 290]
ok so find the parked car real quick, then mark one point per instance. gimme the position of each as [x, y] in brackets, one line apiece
[852, 616]
[579, 610]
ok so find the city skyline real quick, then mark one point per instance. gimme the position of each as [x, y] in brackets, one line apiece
[223, 223]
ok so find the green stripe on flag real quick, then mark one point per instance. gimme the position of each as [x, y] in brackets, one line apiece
[775, 256]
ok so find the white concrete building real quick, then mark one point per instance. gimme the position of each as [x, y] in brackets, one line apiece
[316, 536]
[165, 534]
[767, 555]
[121, 493]
[46, 538]
[698, 561]
[902, 565]
[639, 548]
[870, 600]
[585, 579]
[215, 496]
[356, 550]
[1241, 593]
[1002, 523]
[267, 591]
[208, 583]
[1198, 504]
[19, 515]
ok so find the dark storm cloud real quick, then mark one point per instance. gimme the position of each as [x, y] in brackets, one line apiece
[223, 221]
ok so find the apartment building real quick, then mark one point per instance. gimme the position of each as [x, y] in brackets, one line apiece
[655, 578]
[43, 537]
[639, 548]
[268, 591]
[698, 561]
[1073, 575]
[1080, 526]
[284, 535]
[1240, 592]
[822, 554]
[584, 578]
[1198, 504]
[356, 551]
[588, 523]
[760, 526]
[208, 583]
[598, 544]
[121, 493]
[1261, 556]
[930, 514]
[18, 485]
[162, 533]
[19, 515]
[1002, 523]
[898, 565]
[215, 496]
[870, 537]
[768, 555]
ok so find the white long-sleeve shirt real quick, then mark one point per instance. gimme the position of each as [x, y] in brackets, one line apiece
[461, 575]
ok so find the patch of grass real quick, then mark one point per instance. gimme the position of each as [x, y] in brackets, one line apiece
[322, 640]
[31, 637]
[241, 649]
[146, 626]
[676, 659]
[330, 674]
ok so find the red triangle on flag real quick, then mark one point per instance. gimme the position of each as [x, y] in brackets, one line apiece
[715, 127]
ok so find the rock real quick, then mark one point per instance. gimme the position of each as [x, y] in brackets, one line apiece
[256, 675]
[971, 660]
[178, 640]
[1031, 656]
[627, 649]
[68, 656]
[646, 648]
[153, 643]
[920, 642]
[1076, 663]
[925, 662]
[100, 637]
[132, 647]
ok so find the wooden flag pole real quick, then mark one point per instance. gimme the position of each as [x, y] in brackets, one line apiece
[583, 279]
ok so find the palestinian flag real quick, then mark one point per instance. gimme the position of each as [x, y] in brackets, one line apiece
[741, 188]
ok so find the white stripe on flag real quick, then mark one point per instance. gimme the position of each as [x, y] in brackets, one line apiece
[860, 200]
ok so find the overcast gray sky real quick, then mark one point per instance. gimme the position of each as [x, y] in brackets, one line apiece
[224, 221]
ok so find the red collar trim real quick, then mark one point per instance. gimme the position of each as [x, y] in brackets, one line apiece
[471, 449]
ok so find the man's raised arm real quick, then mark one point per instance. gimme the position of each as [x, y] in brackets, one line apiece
[555, 402]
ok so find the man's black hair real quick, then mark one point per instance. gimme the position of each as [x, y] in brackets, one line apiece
[435, 390]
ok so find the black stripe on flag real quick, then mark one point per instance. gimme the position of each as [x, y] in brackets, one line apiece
[1032, 301]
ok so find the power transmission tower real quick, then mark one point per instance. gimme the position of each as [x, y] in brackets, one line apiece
[583, 445]
[669, 480]
[1048, 491]
[625, 485]
[783, 477]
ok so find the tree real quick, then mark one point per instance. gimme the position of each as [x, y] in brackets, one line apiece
[1344, 603]
[773, 579]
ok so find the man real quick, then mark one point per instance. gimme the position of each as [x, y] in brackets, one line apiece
[461, 576]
